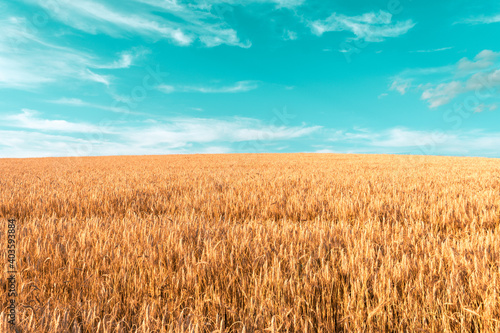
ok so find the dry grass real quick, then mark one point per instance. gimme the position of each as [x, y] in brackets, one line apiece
[316, 243]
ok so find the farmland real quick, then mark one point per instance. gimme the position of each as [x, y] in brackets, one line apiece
[254, 243]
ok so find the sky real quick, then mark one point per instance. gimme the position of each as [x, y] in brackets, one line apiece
[146, 77]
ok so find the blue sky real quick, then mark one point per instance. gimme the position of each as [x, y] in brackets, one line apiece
[134, 77]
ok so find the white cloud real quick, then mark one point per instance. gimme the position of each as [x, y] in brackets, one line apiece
[481, 19]
[288, 3]
[434, 50]
[407, 141]
[445, 92]
[88, 74]
[442, 93]
[16, 143]
[401, 85]
[289, 35]
[401, 137]
[240, 86]
[199, 19]
[94, 17]
[441, 85]
[488, 80]
[68, 101]
[36, 137]
[327, 151]
[180, 135]
[14, 74]
[278, 3]
[167, 89]
[187, 23]
[27, 60]
[125, 60]
[484, 107]
[79, 103]
[419, 72]
[439, 142]
[482, 60]
[371, 27]
[28, 119]
[184, 131]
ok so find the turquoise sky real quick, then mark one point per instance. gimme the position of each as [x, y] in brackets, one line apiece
[86, 77]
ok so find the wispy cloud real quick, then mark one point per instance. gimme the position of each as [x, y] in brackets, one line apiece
[445, 92]
[401, 85]
[240, 86]
[36, 136]
[484, 107]
[277, 3]
[22, 143]
[433, 50]
[187, 23]
[28, 119]
[289, 35]
[480, 79]
[400, 140]
[178, 135]
[483, 19]
[28, 60]
[184, 131]
[480, 75]
[94, 17]
[125, 60]
[79, 103]
[482, 60]
[91, 76]
[371, 27]
[442, 93]
[287, 3]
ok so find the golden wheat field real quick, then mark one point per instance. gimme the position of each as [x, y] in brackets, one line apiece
[254, 243]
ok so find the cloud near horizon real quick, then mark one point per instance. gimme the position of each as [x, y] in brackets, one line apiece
[152, 137]
[31, 135]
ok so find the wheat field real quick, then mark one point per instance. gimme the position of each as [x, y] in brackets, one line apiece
[254, 243]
